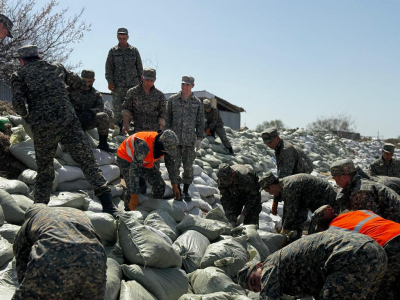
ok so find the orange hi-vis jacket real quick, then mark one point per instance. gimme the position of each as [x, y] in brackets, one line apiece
[368, 223]
[126, 149]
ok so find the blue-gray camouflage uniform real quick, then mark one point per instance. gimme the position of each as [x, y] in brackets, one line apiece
[214, 123]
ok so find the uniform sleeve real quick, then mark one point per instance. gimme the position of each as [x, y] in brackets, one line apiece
[22, 250]
[372, 169]
[127, 104]
[254, 196]
[139, 65]
[214, 119]
[172, 168]
[135, 168]
[270, 280]
[200, 121]
[99, 104]
[73, 81]
[389, 203]
[168, 121]
[287, 162]
[19, 96]
[110, 68]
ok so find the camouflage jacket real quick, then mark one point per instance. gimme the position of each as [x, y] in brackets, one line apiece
[213, 118]
[244, 190]
[87, 100]
[147, 110]
[361, 194]
[43, 86]
[185, 118]
[390, 182]
[379, 167]
[124, 67]
[57, 236]
[289, 161]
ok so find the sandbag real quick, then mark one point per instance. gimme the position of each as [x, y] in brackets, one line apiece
[210, 228]
[134, 290]
[274, 241]
[8, 280]
[93, 133]
[115, 252]
[211, 280]
[18, 120]
[68, 199]
[160, 233]
[212, 296]
[23, 201]
[6, 251]
[103, 157]
[12, 212]
[1, 216]
[143, 246]
[110, 172]
[29, 177]
[166, 205]
[162, 221]
[105, 225]
[219, 215]
[138, 215]
[196, 212]
[114, 277]
[69, 173]
[164, 284]
[9, 231]
[13, 186]
[229, 255]
[76, 185]
[206, 191]
[191, 246]
[253, 238]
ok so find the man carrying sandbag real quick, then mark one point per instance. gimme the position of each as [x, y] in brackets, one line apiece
[136, 157]
[59, 256]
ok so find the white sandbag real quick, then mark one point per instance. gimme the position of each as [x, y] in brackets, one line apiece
[69, 173]
[105, 226]
[191, 246]
[195, 211]
[1, 216]
[91, 140]
[23, 201]
[194, 192]
[253, 238]
[203, 205]
[210, 228]
[143, 246]
[76, 185]
[68, 199]
[164, 284]
[166, 205]
[211, 280]
[110, 172]
[197, 170]
[8, 280]
[115, 252]
[210, 200]
[162, 221]
[93, 133]
[18, 120]
[217, 214]
[29, 177]
[161, 234]
[212, 296]
[134, 290]
[252, 253]
[168, 193]
[229, 255]
[274, 241]
[209, 181]
[12, 212]
[114, 277]
[9, 231]
[116, 190]
[67, 158]
[13, 186]
[198, 180]
[206, 191]
[6, 251]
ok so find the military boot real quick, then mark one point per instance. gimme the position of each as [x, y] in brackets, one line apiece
[231, 151]
[186, 192]
[103, 144]
[108, 205]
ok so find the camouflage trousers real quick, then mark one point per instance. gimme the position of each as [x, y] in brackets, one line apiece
[118, 94]
[186, 156]
[90, 120]
[222, 135]
[233, 209]
[46, 138]
[152, 176]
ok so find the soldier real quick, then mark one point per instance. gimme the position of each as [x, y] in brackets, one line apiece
[390, 182]
[185, 116]
[386, 165]
[89, 107]
[386, 233]
[327, 265]
[50, 114]
[360, 193]
[136, 158]
[239, 187]
[123, 71]
[214, 124]
[300, 192]
[5, 27]
[59, 256]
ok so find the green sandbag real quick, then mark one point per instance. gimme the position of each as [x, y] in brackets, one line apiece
[210, 228]
[114, 277]
[253, 238]
[12, 212]
[105, 226]
[134, 290]
[158, 219]
[212, 296]
[6, 251]
[164, 284]
[166, 205]
[274, 241]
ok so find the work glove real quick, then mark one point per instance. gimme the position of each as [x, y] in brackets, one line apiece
[175, 190]
[134, 201]
[110, 87]
[274, 209]
[240, 219]
[198, 144]
[208, 131]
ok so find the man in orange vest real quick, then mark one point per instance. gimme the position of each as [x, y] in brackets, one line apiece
[136, 157]
[384, 232]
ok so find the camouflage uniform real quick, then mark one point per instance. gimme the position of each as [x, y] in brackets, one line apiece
[243, 191]
[380, 167]
[59, 256]
[327, 265]
[214, 122]
[186, 119]
[124, 70]
[42, 86]
[391, 182]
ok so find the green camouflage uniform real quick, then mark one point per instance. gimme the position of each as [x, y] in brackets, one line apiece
[390, 182]
[124, 70]
[42, 86]
[214, 122]
[186, 119]
[89, 108]
[59, 256]
[380, 167]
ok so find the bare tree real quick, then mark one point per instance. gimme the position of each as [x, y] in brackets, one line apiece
[44, 27]
[334, 123]
[266, 124]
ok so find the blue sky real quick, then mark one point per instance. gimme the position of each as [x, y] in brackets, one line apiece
[288, 60]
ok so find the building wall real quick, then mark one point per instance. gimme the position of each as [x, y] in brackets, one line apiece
[230, 119]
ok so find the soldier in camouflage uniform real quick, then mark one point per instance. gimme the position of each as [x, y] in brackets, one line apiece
[300, 193]
[89, 107]
[328, 265]
[239, 187]
[185, 116]
[123, 71]
[386, 165]
[50, 114]
[136, 158]
[360, 193]
[214, 124]
[59, 256]
[391, 182]
[5, 27]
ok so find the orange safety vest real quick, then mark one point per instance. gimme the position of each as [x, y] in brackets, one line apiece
[126, 149]
[368, 223]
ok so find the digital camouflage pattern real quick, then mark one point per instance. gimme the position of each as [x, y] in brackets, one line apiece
[214, 122]
[118, 95]
[59, 256]
[390, 182]
[148, 111]
[89, 107]
[43, 87]
[388, 148]
[380, 167]
[342, 167]
[269, 134]
[243, 191]
[186, 156]
[326, 265]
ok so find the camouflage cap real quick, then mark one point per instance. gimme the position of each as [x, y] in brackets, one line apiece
[87, 74]
[224, 175]
[244, 273]
[7, 22]
[207, 103]
[149, 73]
[389, 148]
[170, 141]
[321, 218]
[122, 31]
[28, 51]
[269, 134]
[187, 79]
[342, 167]
[265, 181]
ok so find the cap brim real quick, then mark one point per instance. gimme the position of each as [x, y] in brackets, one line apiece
[186, 82]
[267, 140]
[149, 77]
[386, 151]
